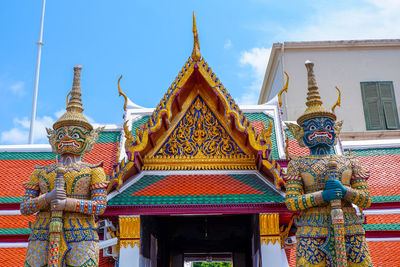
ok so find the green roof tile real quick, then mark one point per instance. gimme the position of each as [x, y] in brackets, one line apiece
[11, 231]
[264, 118]
[109, 137]
[289, 134]
[138, 123]
[376, 152]
[376, 199]
[10, 199]
[382, 227]
[26, 155]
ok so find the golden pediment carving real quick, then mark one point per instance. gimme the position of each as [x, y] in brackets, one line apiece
[199, 141]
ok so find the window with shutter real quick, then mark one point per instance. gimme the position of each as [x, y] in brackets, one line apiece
[380, 108]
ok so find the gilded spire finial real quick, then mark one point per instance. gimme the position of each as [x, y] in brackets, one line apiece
[313, 103]
[313, 98]
[74, 115]
[196, 45]
[75, 102]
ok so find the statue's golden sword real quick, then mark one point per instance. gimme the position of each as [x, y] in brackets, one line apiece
[337, 221]
[56, 226]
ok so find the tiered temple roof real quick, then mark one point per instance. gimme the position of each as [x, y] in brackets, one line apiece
[158, 163]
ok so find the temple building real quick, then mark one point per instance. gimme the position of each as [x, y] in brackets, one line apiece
[200, 178]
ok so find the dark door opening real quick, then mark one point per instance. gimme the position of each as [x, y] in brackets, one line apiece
[169, 241]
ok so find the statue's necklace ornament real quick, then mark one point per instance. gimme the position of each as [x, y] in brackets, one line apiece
[323, 186]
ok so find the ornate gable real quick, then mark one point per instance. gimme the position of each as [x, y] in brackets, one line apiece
[197, 125]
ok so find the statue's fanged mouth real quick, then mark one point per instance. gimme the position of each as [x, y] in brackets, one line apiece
[319, 135]
[68, 143]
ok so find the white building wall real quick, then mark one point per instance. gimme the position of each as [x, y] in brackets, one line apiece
[342, 67]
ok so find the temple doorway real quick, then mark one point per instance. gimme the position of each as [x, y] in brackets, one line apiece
[173, 240]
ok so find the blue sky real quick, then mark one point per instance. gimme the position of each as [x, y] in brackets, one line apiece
[149, 41]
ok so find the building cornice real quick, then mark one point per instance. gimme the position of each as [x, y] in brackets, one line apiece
[341, 44]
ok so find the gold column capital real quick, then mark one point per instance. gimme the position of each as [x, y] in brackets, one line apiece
[129, 231]
[269, 228]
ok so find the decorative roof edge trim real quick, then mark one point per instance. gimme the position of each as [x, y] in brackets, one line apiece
[195, 209]
[26, 148]
[13, 245]
[279, 132]
[9, 212]
[371, 144]
[381, 211]
[382, 239]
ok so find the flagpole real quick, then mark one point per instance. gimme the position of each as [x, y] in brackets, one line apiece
[35, 89]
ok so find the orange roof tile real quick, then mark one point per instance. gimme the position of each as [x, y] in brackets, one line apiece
[12, 256]
[175, 185]
[385, 254]
[15, 221]
[14, 172]
[258, 125]
[291, 256]
[102, 152]
[384, 174]
[387, 218]
[18, 258]
[106, 262]
[296, 150]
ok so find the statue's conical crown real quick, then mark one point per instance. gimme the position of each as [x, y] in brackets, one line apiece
[314, 104]
[74, 115]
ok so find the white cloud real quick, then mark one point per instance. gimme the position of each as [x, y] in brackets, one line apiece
[370, 19]
[248, 98]
[19, 133]
[14, 136]
[256, 58]
[59, 113]
[18, 88]
[228, 44]
[342, 20]
[8, 84]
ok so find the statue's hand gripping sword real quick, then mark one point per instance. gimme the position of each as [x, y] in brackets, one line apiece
[337, 220]
[56, 227]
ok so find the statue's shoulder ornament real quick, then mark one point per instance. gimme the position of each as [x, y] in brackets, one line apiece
[93, 166]
[47, 168]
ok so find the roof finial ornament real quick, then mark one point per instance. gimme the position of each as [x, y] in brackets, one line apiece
[196, 45]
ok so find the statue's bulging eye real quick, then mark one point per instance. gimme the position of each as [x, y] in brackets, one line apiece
[328, 127]
[60, 136]
[75, 136]
[313, 128]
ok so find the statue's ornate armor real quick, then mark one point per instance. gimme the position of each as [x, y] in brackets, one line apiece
[324, 187]
[66, 196]
[85, 185]
[306, 178]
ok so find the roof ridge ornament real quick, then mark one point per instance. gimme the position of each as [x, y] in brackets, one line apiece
[196, 56]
